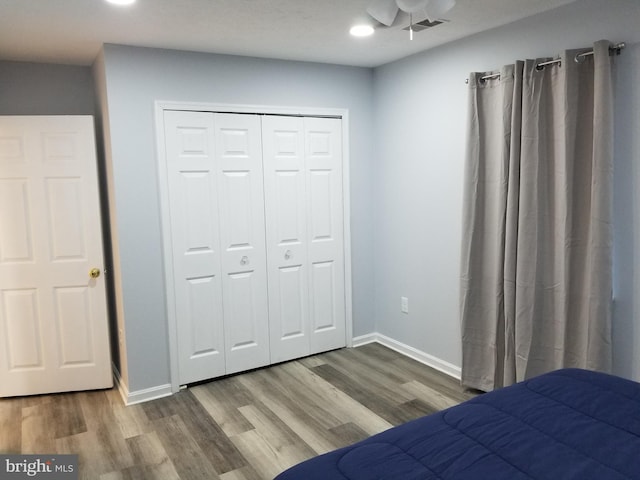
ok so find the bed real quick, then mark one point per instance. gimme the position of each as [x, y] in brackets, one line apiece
[567, 424]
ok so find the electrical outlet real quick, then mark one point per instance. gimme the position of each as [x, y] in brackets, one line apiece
[404, 304]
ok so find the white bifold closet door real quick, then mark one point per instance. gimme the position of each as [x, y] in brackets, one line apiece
[214, 169]
[304, 211]
[256, 221]
[244, 273]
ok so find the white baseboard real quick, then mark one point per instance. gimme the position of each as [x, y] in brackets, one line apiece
[364, 339]
[411, 352]
[153, 393]
[140, 396]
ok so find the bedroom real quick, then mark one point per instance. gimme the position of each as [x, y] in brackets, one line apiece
[417, 105]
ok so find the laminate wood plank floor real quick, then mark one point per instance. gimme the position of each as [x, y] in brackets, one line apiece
[249, 426]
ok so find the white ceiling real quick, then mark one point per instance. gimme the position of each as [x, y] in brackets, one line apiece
[72, 31]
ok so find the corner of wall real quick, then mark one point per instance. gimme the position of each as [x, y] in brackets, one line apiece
[110, 240]
[411, 352]
[139, 396]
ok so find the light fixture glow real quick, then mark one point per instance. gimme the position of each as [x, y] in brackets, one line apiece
[121, 2]
[361, 30]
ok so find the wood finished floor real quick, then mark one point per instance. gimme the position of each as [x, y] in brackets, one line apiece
[245, 427]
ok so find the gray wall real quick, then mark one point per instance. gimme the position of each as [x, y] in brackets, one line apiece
[45, 89]
[420, 111]
[626, 289]
[133, 79]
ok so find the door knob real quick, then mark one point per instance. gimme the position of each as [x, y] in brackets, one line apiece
[94, 272]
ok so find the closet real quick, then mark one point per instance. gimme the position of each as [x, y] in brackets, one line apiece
[256, 242]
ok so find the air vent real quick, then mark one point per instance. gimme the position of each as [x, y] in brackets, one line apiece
[425, 24]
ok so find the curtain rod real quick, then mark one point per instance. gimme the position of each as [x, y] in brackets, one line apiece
[613, 50]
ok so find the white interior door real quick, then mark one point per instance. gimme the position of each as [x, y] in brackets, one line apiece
[216, 204]
[53, 321]
[304, 211]
[285, 183]
[325, 231]
[192, 176]
[234, 308]
[242, 238]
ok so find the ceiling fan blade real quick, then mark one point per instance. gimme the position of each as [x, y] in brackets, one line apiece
[436, 8]
[384, 11]
[411, 6]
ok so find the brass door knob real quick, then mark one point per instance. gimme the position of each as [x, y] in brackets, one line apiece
[94, 272]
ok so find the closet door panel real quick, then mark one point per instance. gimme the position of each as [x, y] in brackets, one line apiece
[292, 304]
[286, 209]
[323, 304]
[323, 144]
[242, 227]
[203, 302]
[192, 178]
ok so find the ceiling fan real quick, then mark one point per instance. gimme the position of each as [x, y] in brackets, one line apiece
[386, 11]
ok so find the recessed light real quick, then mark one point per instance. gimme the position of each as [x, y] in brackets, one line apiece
[121, 2]
[361, 30]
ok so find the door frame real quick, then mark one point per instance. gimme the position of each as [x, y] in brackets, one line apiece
[163, 181]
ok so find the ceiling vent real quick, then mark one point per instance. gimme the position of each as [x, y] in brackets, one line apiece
[424, 25]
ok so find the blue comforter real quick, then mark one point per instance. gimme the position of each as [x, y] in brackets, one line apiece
[567, 424]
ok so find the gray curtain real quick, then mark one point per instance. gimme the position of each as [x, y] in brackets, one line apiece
[536, 275]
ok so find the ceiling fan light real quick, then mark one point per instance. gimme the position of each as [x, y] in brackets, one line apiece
[411, 6]
[383, 11]
[361, 30]
[121, 2]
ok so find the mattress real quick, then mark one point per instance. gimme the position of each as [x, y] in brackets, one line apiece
[567, 424]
